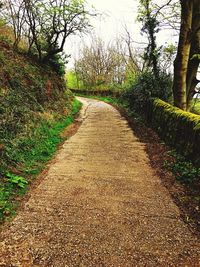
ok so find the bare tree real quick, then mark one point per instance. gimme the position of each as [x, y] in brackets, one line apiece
[168, 14]
[132, 58]
[51, 22]
[14, 12]
[100, 65]
[46, 24]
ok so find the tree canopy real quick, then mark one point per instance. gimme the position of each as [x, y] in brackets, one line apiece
[46, 25]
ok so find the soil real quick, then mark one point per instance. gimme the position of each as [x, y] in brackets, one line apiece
[101, 203]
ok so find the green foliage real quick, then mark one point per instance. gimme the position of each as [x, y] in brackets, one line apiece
[28, 152]
[103, 93]
[150, 26]
[167, 56]
[2, 21]
[58, 63]
[41, 143]
[178, 128]
[55, 23]
[28, 155]
[10, 185]
[28, 92]
[72, 80]
[16, 180]
[35, 107]
[6, 40]
[145, 86]
[183, 170]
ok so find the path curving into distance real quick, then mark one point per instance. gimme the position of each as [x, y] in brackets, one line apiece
[100, 204]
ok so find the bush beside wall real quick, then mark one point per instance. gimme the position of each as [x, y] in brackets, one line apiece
[176, 127]
[97, 92]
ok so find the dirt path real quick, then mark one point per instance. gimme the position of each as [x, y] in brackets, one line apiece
[100, 204]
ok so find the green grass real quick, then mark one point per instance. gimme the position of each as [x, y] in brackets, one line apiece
[29, 156]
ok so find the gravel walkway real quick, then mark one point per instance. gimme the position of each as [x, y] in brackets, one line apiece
[100, 204]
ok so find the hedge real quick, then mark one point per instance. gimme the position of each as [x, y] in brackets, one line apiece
[97, 92]
[176, 127]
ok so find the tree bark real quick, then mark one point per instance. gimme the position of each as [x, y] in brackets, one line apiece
[182, 57]
[195, 50]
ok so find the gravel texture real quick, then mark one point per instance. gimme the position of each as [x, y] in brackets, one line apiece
[100, 204]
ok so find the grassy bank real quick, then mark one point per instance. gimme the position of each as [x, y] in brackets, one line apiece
[30, 155]
[35, 106]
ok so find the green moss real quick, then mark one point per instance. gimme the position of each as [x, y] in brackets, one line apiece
[179, 113]
[195, 106]
[176, 127]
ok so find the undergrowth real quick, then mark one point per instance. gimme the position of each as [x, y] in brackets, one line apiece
[118, 102]
[35, 106]
[27, 157]
[183, 169]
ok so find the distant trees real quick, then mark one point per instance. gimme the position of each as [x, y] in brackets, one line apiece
[132, 56]
[46, 24]
[100, 65]
[14, 12]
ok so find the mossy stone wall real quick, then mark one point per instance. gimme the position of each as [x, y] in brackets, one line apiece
[176, 127]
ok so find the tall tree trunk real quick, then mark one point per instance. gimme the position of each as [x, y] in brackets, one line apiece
[182, 57]
[195, 50]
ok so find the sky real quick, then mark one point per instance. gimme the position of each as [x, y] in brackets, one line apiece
[110, 25]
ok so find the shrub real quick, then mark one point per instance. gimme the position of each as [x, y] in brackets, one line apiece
[58, 64]
[145, 86]
[27, 154]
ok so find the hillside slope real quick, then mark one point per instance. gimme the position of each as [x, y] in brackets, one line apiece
[34, 108]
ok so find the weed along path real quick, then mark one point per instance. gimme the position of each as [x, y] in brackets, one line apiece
[100, 204]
